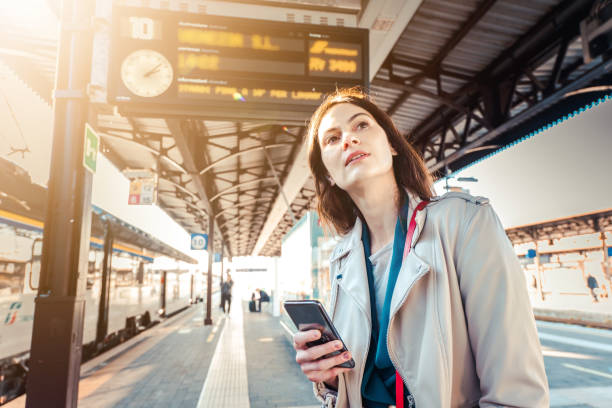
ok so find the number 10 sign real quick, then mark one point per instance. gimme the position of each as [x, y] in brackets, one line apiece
[199, 241]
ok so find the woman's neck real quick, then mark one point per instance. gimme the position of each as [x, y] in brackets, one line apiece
[378, 204]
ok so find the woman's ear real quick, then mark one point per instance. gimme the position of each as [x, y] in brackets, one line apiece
[393, 151]
[331, 180]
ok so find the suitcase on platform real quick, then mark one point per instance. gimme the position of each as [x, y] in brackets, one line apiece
[252, 306]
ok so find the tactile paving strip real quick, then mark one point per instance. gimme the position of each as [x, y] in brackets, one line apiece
[226, 384]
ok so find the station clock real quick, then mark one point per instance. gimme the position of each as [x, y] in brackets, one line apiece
[146, 73]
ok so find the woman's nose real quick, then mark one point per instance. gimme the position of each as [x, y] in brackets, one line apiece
[351, 139]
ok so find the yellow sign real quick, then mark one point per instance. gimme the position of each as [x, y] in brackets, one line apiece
[187, 62]
[322, 47]
[213, 38]
[333, 59]
[210, 38]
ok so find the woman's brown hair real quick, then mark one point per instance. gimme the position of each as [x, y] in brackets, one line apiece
[336, 208]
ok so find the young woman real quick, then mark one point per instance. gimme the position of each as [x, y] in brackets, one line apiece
[427, 292]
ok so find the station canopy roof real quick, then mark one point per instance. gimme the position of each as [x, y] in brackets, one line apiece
[460, 80]
[591, 223]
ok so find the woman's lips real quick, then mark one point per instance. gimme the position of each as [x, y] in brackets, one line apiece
[355, 157]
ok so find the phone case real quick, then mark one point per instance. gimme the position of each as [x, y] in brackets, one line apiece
[310, 314]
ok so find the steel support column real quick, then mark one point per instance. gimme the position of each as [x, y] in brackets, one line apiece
[162, 293]
[222, 254]
[606, 258]
[539, 270]
[276, 297]
[221, 277]
[102, 328]
[211, 242]
[280, 186]
[55, 354]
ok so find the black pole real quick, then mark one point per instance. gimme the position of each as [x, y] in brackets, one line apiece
[163, 293]
[211, 240]
[222, 250]
[191, 290]
[103, 308]
[221, 278]
[57, 334]
[222, 253]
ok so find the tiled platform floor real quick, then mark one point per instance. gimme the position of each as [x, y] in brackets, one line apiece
[241, 361]
[275, 380]
[245, 360]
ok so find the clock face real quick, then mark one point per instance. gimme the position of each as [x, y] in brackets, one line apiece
[146, 73]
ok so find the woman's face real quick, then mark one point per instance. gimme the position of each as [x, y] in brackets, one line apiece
[354, 147]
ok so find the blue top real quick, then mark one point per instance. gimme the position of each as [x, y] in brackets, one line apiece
[378, 384]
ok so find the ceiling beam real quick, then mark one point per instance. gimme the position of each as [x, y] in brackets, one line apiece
[240, 153]
[180, 138]
[235, 186]
[240, 205]
[597, 72]
[293, 184]
[443, 53]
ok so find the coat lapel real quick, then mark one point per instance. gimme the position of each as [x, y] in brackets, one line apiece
[413, 267]
[354, 279]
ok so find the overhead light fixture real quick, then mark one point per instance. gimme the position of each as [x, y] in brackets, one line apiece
[468, 179]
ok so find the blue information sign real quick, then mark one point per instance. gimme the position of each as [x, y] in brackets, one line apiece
[199, 241]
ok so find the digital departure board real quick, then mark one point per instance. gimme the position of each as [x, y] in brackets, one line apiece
[165, 62]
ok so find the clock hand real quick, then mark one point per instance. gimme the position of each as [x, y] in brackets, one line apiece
[154, 70]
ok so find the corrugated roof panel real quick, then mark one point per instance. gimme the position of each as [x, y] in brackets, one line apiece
[497, 30]
[451, 84]
[431, 27]
[152, 125]
[214, 127]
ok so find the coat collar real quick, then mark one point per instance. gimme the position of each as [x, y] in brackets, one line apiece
[352, 239]
[354, 278]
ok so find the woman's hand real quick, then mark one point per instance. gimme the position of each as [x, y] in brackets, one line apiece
[316, 370]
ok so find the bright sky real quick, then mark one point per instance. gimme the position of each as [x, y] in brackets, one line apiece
[34, 15]
[560, 172]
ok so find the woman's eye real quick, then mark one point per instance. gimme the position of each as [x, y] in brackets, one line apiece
[332, 139]
[362, 125]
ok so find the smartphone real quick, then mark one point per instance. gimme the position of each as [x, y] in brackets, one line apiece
[310, 314]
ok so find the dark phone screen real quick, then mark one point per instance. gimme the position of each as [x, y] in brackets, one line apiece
[311, 315]
[308, 316]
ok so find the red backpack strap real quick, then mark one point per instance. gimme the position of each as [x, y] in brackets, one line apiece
[399, 391]
[399, 383]
[412, 227]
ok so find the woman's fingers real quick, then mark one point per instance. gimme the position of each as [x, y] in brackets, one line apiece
[302, 337]
[310, 361]
[328, 376]
[326, 363]
[316, 352]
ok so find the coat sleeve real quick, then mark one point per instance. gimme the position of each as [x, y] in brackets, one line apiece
[501, 326]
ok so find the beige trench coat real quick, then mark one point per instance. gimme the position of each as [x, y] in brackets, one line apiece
[461, 329]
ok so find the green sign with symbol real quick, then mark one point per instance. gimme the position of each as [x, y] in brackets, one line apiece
[90, 150]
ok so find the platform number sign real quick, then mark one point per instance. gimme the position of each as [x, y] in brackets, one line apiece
[90, 149]
[199, 241]
[142, 28]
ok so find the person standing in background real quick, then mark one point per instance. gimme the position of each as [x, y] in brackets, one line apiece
[592, 284]
[226, 292]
